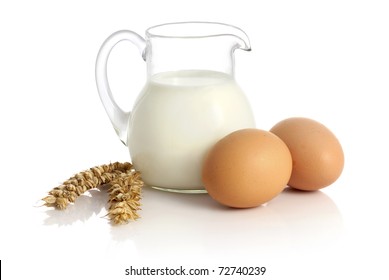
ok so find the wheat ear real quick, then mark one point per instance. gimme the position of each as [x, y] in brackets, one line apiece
[124, 197]
[94, 177]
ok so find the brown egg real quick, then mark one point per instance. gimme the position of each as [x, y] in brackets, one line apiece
[317, 154]
[247, 168]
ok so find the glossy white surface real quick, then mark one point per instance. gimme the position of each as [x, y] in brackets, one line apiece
[326, 61]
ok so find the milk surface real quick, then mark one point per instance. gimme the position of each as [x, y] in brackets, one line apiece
[177, 118]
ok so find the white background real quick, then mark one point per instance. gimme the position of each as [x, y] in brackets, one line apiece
[326, 60]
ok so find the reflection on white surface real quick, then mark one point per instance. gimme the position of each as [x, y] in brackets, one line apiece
[86, 206]
[193, 225]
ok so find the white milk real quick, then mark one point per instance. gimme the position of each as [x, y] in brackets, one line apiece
[177, 118]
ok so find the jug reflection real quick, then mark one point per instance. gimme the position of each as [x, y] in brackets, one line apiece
[189, 102]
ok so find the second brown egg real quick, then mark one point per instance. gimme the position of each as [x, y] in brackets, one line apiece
[317, 155]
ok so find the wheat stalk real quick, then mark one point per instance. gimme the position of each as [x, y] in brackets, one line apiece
[124, 192]
[124, 197]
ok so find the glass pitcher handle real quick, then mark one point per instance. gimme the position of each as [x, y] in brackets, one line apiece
[118, 117]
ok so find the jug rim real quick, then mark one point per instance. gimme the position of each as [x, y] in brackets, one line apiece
[197, 29]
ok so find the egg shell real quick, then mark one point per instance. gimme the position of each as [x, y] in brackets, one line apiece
[317, 155]
[247, 168]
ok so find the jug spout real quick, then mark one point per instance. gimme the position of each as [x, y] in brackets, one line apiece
[243, 43]
[239, 37]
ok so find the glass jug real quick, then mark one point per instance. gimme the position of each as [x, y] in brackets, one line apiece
[190, 99]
